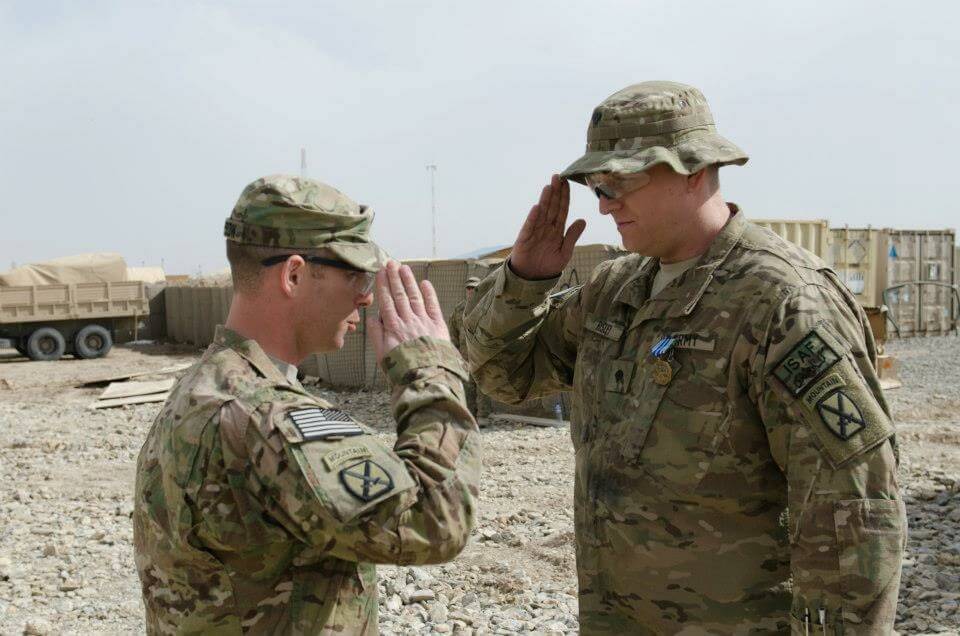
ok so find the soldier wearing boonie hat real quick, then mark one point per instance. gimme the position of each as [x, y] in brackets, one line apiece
[719, 375]
[260, 508]
[649, 124]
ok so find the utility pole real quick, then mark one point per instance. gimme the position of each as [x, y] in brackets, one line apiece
[303, 163]
[432, 169]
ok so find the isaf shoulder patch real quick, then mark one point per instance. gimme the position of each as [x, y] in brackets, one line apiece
[319, 423]
[806, 362]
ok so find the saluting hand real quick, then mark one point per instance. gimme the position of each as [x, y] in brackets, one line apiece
[542, 248]
[407, 311]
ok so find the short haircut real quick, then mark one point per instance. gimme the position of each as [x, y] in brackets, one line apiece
[246, 269]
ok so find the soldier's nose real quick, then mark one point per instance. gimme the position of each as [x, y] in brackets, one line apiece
[606, 206]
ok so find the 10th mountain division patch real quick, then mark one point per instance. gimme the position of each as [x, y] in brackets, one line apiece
[366, 480]
[841, 415]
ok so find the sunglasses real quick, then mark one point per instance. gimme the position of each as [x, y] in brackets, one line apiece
[361, 280]
[608, 185]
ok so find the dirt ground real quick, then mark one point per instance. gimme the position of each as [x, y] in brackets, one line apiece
[66, 481]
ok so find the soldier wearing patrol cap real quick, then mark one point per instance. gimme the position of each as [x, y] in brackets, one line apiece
[260, 508]
[735, 457]
[476, 403]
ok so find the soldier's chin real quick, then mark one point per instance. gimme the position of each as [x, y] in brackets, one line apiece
[330, 346]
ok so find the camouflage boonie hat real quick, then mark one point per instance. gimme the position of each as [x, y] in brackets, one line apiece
[472, 282]
[290, 212]
[650, 123]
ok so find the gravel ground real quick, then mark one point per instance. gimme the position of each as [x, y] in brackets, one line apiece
[66, 476]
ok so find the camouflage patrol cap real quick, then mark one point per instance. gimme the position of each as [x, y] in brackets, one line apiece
[651, 123]
[472, 282]
[289, 212]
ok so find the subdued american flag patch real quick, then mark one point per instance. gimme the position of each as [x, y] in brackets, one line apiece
[318, 423]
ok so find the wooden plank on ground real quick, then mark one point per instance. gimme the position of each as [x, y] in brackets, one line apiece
[129, 389]
[135, 399]
[137, 374]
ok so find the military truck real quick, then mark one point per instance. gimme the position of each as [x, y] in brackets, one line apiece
[78, 305]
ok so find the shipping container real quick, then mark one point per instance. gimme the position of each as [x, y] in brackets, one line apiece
[859, 256]
[813, 236]
[920, 278]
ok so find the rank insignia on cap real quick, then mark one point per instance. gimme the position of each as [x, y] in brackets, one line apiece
[805, 363]
[366, 480]
[317, 423]
[841, 415]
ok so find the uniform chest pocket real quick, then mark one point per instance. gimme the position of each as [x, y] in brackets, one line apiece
[626, 403]
[669, 441]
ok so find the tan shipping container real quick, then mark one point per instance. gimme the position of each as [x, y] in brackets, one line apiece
[859, 256]
[813, 236]
[926, 257]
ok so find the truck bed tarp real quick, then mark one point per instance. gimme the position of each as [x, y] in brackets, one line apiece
[147, 274]
[82, 268]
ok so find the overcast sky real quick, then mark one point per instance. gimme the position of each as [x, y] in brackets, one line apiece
[133, 127]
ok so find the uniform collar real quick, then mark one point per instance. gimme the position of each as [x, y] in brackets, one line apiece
[249, 350]
[681, 297]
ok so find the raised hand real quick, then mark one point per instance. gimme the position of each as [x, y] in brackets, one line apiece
[407, 311]
[542, 248]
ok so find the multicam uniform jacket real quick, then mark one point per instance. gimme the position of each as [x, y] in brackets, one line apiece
[455, 327]
[261, 509]
[744, 390]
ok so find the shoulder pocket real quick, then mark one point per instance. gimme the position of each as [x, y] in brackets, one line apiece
[349, 475]
[819, 379]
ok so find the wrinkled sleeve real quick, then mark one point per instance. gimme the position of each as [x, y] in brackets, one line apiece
[522, 343]
[831, 434]
[455, 326]
[360, 500]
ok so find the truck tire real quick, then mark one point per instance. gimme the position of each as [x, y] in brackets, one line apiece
[93, 341]
[46, 343]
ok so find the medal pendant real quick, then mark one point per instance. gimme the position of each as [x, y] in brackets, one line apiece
[662, 372]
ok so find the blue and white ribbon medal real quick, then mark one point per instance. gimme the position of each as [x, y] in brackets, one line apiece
[662, 371]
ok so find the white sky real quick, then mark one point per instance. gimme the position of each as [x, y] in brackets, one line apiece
[133, 127]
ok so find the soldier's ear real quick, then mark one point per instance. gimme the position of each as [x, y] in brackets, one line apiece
[293, 273]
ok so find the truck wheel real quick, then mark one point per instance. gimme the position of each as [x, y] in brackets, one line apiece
[93, 341]
[46, 343]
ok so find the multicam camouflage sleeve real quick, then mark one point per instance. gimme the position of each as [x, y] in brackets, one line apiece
[830, 432]
[522, 343]
[455, 326]
[362, 501]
